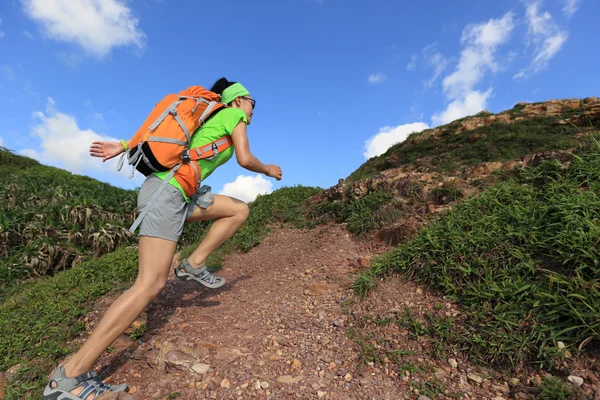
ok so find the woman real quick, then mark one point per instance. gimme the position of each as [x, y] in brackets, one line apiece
[159, 232]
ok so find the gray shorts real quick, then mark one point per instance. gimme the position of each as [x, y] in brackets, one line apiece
[166, 217]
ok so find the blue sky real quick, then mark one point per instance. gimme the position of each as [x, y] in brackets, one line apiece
[336, 81]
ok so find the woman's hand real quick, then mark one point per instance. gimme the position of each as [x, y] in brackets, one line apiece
[274, 171]
[106, 150]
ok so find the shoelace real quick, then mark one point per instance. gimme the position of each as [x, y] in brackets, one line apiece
[100, 384]
[207, 275]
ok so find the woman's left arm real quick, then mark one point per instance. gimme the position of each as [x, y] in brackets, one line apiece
[106, 150]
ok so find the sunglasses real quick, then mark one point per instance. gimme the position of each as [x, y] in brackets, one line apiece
[252, 101]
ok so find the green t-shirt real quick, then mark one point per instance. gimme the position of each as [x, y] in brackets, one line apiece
[215, 128]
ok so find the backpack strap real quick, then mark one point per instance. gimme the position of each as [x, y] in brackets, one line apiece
[210, 151]
[172, 109]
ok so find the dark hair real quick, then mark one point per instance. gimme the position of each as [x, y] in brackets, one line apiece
[221, 85]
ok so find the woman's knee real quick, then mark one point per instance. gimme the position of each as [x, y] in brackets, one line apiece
[151, 288]
[242, 211]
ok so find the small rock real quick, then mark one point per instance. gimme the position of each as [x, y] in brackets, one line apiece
[501, 389]
[295, 365]
[200, 368]
[568, 354]
[116, 396]
[453, 363]
[179, 359]
[225, 383]
[321, 394]
[348, 377]
[560, 345]
[420, 291]
[513, 381]
[256, 385]
[575, 380]
[475, 378]
[289, 379]
[524, 396]
[264, 384]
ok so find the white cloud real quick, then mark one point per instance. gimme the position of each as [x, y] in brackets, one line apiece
[28, 35]
[481, 42]
[62, 143]
[543, 34]
[2, 34]
[376, 78]
[570, 7]
[97, 26]
[472, 103]
[439, 64]
[478, 57]
[247, 188]
[1, 142]
[388, 136]
[413, 63]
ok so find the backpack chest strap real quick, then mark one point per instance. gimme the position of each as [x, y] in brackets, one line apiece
[211, 150]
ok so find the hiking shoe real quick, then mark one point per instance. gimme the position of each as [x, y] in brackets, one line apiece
[201, 275]
[91, 384]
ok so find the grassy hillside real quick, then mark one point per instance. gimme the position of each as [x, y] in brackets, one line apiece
[52, 220]
[467, 142]
[523, 260]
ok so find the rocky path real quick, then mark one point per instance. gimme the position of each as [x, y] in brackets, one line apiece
[280, 327]
[276, 330]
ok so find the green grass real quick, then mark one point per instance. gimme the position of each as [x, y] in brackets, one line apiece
[452, 152]
[522, 259]
[38, 320]
[363, 215]
[554, 388]
[52, 220]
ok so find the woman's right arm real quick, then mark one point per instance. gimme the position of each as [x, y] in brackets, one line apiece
[246, 159]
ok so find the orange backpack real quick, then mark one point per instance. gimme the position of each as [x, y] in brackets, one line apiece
[162, 142]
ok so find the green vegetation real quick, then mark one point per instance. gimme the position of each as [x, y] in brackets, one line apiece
[37, 321]
[522, 258]
[446, 193]
[495, 142]
[52, 220]
[363, 215]
[553, 388]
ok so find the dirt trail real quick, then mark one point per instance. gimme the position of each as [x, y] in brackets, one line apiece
[279, 330]
[276, 330]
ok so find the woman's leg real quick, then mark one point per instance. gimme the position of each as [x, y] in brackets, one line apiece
[155, 258]
[229, 215]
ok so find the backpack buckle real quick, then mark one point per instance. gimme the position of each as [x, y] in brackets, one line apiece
[185, 156]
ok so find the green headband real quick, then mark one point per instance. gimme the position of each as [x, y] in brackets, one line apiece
[233, 91]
